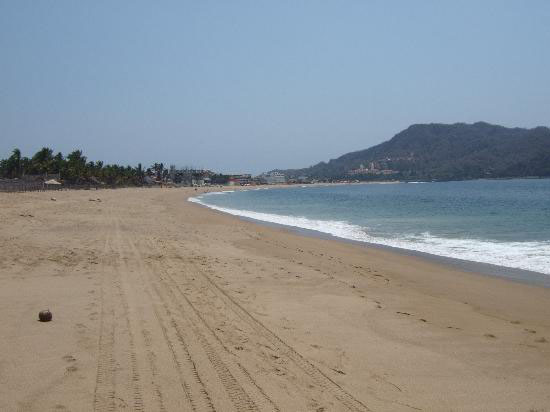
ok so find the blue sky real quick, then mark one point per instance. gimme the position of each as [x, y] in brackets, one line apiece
[256, 85]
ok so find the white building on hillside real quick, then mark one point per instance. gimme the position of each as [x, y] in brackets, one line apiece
[274, 178]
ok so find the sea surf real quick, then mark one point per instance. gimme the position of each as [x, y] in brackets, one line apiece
[497, 222]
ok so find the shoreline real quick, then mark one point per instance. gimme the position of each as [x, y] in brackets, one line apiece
[159, 303]
[481, 268]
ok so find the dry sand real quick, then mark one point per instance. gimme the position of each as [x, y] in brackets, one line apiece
[161, 305]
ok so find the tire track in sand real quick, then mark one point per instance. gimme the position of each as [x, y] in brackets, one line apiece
[119, 383]
[136, 387]
[320, 378]
[239, 397]
[105, 387]
[191, 383]
[238, 385]
[190, 379]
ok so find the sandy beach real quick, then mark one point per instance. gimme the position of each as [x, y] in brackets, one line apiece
[160, 304]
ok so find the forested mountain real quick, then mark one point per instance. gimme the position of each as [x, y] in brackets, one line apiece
[444, 152]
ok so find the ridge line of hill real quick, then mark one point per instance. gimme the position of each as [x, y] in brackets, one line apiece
[438, 151]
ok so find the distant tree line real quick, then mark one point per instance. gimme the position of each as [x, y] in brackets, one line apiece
[74, 168]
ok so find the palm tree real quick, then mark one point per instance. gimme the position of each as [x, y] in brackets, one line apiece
[42, 161]
[14, 164]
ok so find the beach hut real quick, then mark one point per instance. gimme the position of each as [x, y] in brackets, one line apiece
[52, 184]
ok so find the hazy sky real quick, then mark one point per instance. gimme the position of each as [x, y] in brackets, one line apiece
[254, 85]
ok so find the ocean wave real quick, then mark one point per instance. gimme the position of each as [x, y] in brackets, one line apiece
[223, 192]
[533, 256]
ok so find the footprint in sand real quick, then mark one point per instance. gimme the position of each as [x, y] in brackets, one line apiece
[69, 358]
[80, 327]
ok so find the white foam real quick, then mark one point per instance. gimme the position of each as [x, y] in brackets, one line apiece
[533, 256]
[209, 194]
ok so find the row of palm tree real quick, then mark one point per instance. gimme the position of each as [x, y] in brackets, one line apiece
[75, 168]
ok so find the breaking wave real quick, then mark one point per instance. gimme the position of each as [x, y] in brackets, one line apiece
[530, 255]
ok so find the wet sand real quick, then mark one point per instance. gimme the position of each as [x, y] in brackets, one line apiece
[161, 304]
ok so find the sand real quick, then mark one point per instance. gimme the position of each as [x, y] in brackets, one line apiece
[162, 305]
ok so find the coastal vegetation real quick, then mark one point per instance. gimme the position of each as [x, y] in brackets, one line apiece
[74, 168]
[444, 152]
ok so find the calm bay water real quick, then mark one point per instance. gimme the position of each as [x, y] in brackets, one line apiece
[501, 222]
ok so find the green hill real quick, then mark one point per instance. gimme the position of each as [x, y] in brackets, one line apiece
[444, 152]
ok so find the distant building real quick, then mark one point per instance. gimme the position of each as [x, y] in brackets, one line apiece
[190, 177]
[274, 178]
[200, 181]
[240, 180]
[375, 168]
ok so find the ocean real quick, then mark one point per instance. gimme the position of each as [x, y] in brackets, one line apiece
[497, 222]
